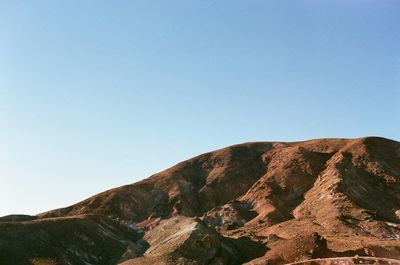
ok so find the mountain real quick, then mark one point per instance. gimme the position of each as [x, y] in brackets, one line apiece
[252, 203]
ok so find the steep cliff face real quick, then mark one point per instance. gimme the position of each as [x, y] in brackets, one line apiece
[288, 201]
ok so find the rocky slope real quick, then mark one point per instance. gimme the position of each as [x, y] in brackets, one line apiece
[193, 242]
[253, 203]
[82, 239]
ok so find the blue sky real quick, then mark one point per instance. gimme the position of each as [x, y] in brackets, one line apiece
[97, 94]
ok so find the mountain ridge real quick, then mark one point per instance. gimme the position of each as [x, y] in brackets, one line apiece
[337, 196]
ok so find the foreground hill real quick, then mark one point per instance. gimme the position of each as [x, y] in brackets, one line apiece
[253, 203]
[83, 239]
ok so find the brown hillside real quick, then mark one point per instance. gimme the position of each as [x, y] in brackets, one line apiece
[263, 203]
[81, 240]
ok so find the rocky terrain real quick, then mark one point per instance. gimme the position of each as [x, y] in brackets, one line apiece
[81, 239]
[253, 203]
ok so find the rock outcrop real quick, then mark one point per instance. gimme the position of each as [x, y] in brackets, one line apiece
[185, 240]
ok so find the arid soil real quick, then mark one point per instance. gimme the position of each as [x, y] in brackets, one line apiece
[253, 203]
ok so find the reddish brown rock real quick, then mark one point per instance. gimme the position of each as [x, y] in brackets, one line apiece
[301, 200]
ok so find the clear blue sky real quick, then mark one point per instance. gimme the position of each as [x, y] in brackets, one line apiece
[96, 94]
